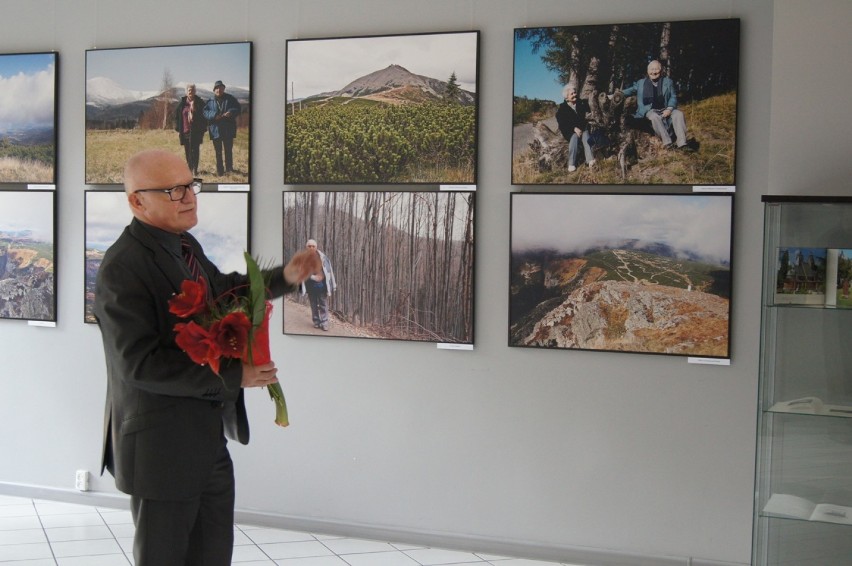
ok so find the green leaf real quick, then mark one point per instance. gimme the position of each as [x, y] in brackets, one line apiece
[257, 291]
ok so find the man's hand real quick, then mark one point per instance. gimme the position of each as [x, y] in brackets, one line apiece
[259, 376]
[301, 266]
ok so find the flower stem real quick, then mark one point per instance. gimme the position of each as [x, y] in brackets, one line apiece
[277, 395]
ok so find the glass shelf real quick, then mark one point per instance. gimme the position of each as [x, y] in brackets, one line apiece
[803, 482]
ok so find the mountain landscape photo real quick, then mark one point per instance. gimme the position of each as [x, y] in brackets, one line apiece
[396, 109]
[27, 288]
[629, 294]
[28, 118]
[132, 95]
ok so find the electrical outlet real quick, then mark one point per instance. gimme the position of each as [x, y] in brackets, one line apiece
[81, 480]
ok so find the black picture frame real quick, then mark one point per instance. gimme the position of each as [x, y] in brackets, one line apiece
[28, 255]
[382, 109]
[640, 273]
[29, 118]
[403, 263]
[223, 231]
[134, 93]
[606, 63]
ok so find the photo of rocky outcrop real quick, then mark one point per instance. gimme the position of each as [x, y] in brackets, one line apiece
[628, 273]
[27, 277]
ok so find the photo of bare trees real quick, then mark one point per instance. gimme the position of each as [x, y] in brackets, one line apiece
[402, 263]
[695, 92]
[134, 94]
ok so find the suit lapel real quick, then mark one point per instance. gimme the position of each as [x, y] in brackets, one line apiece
[163, 260]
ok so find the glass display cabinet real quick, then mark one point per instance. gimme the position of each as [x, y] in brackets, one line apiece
[803, 484]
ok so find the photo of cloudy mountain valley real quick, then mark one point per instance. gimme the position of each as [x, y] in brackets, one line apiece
[628, 273]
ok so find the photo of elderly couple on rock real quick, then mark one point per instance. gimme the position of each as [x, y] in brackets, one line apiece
[651, 103]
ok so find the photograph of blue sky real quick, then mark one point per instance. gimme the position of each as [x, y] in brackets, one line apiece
[27, 90]
[142, 68]
[532, 78]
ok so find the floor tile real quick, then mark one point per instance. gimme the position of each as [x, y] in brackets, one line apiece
[394, 558]
[102, 560]
[436, 556]
[343, 546]
[14, 523]
[71, 520]
[248, 553]
[10, 552]
[295, 549]
[114, 517]
[17, 510]
[122, 530]
[59, 508]
[265, 535]
[85, 547]
[41, 562]
[314, 561]
[22, 536]
[86, 532]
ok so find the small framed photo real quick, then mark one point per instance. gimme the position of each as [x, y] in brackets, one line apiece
[395, 265]
[222, 230]
[393, 109]
[801, 276]
[27, 255]
[639, 104]
[642, 273]
[28, 124]
[193, 100]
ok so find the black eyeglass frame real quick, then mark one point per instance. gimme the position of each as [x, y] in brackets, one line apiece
[195, 186]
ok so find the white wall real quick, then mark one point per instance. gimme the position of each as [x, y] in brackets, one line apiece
[550, 453]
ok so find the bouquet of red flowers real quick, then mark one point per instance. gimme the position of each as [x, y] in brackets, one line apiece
[233, 325]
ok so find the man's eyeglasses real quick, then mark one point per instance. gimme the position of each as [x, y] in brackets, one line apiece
[178, 191]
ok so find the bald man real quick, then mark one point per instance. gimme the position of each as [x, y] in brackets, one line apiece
[166, 418]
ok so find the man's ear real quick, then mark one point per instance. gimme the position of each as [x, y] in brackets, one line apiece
[135, 202]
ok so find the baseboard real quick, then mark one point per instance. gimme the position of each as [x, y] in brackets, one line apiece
[500, 547]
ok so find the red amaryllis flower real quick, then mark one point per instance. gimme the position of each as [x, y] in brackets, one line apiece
[192, 299]
[231, 334]
[198, 344]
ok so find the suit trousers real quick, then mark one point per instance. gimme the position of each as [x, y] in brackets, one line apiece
[194, 532]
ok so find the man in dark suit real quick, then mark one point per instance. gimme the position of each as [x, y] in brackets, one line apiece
[166, 417]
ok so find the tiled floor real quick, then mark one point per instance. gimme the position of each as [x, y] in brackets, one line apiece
[36, 532]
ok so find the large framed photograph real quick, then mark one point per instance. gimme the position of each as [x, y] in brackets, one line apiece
[28, 131]
[193, 100]
[396, 265]
[645, 273]
[398, 109]
[640, 104]
[222, 230]
[27, 255]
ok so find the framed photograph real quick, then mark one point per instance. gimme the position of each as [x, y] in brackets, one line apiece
[839, 278]
[398, 109]
[801, 276]
[640, 104]
[222, 229]
[194, 100]
[644, 273]
[28, 131]
[396, 265]
[27, 255]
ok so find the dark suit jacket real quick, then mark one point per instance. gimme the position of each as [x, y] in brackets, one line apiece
[164, 414]
[568, 118]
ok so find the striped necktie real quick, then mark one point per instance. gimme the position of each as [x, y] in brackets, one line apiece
[188, 254]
